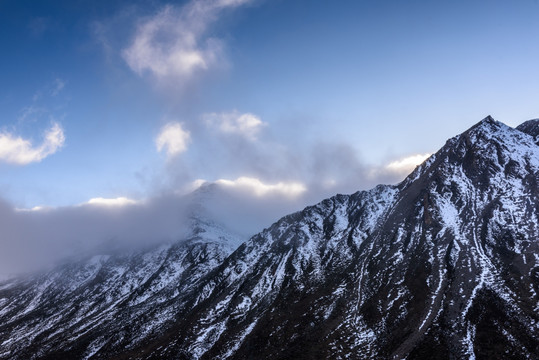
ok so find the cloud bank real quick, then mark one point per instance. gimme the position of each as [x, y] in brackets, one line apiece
[39, 237]
[16, 150]
[33, 239]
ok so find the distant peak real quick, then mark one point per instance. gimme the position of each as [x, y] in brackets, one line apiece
[531, 121]
[530, 127]
[488, 121]
[488, 124]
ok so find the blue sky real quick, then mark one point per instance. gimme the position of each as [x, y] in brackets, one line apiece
[111, 111]
[319, 96]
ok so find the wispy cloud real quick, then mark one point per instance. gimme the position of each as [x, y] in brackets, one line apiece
[16, 150]
[247, 125]
[39, 26]
[31, 113]
[50, 90]
[173, 139]
[308, 171]
[173, 45]
[57, 86]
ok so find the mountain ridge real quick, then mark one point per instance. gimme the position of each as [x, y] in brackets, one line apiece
[469, 140]
[442, 265]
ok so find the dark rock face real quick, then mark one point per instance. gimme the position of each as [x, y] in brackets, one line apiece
[530, 127]
[444, 265]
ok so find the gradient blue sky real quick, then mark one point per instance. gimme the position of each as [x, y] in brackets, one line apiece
[331, 92]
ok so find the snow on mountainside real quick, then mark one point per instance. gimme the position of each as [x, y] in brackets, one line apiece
[443, 265]
[110, 303]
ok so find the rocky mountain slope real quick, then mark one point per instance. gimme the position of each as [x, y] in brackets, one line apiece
[445, 265]
[106, 303]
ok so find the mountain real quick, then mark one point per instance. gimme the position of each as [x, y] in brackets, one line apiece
[530, 127]
[108, 302]
[444, 265]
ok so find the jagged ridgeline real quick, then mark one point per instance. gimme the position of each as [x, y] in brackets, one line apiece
[443, 265]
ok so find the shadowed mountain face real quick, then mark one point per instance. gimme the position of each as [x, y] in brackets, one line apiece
[443, 265]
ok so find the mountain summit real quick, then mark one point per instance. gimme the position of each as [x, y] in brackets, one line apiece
[443, 265]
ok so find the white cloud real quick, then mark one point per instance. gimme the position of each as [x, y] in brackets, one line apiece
[407, 164]
[247, 125]
[172, 138]
[258, 188]
[16, 150]
[115, 202]
[172, 45]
